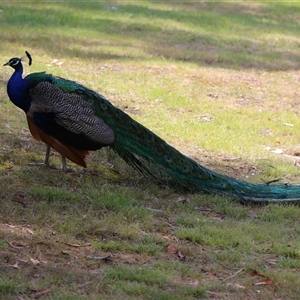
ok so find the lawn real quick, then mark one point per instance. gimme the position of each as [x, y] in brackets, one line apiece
[220, 83]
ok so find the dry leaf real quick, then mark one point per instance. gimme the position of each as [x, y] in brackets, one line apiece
[83, 285]
[214, 294]
[11, 226]
[40, 293]
[105, 258]
[55, 62]
[182, 199]
[77, 245]
[172, 249]
[277, 151]
[206, 118]
[218, 217]
[35, 261]
[266, 281]
[211, 276]
[29, 230]
[17, 246]
[236, 285]
[19, 198]
[16, 265]
[180, 255]
[167, 237]
[194, 283]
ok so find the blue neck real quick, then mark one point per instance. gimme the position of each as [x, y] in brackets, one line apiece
[17, 90]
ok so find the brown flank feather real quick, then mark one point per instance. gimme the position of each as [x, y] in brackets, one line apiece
[76, 156]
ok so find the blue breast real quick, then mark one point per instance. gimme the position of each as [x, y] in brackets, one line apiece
[17, 90]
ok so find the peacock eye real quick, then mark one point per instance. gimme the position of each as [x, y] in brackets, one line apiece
[184, 169]
[168, 158]
[14, 62]
[104, 106]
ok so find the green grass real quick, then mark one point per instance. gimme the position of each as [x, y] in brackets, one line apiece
[219, 81]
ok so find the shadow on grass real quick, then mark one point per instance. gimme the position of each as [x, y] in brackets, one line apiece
[201, 33]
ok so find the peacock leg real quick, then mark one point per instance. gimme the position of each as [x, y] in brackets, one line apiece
[64, 164]
[63, 160]
[47, 156]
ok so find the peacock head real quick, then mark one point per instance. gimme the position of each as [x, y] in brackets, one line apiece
[16, 62]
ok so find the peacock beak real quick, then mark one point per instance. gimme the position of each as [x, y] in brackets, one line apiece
[6, 64]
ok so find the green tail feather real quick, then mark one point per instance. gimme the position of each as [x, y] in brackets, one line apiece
[153, 157]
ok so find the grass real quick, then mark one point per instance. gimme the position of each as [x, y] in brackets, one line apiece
[219, 81]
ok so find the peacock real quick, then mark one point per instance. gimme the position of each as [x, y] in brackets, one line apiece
[75, 120]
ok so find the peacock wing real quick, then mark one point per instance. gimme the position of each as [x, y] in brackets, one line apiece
[68, 117]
